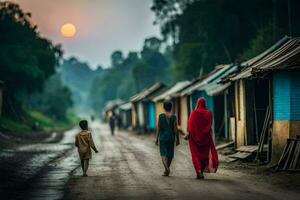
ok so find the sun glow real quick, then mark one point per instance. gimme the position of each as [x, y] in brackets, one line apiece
[68, 30]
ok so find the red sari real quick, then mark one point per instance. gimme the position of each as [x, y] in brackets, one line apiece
[204, 153]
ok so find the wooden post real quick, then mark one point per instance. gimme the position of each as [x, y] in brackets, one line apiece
[226, 115]
[270, 130]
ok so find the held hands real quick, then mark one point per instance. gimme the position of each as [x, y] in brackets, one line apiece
[186, 137]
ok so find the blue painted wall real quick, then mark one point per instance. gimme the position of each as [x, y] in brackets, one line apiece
[151, 115]
[209, 99]
[295, 95]
[286, 95]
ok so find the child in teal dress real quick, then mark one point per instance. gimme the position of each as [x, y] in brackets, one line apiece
[167, 136]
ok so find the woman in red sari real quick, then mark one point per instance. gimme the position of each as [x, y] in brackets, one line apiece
[204, 154]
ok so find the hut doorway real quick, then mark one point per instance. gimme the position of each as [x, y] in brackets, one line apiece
[219, 120]
[257, 105]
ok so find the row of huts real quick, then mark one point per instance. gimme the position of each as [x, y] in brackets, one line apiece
[256, 102]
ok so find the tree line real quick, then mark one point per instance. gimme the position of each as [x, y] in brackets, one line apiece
[197, 35]
[28, 68]
[204, 33]
[130, 74]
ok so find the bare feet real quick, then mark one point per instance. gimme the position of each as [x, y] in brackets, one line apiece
[166, 173]
[200, 176]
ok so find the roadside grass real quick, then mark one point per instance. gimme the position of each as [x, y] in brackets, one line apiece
[10, 125]
[46, 123]
[34, 126]
[39, 119]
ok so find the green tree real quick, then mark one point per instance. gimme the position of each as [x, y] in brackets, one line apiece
[209, 32]
[154, 65]
[27, 59]
[128, 75]
[78, 76]
[117, 58]
[115, 82]
[54, 101]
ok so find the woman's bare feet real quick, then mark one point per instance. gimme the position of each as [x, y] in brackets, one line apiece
[200, 176]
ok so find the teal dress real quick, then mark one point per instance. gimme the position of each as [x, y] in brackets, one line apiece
[166, 135]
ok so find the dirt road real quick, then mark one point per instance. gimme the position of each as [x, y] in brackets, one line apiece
[129, 167]
[37, 170]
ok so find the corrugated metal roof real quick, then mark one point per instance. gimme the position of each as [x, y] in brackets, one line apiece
[215, 86]
[147, 91]
[285, 57]
[214, 75]
[156, 94]
[284, 54]
[113, 103]
[266, 52]
[172, 91]
[125, 106]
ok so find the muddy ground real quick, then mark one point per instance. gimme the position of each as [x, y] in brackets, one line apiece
[128, 166]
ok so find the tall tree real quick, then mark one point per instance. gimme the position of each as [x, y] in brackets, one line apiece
[78, 76]
[54, 101]
[210, 32]
[154, 65]
[27, 59]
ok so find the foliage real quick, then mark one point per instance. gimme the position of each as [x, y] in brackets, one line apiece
[27, 59]
[78, 76]
[128, 75]
[54, 101]
[115, 82]
[10, 125]
[209, 32]
[153, 66]
[259, 43]
[41, 119]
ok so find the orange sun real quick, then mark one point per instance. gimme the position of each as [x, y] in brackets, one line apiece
[68, 30]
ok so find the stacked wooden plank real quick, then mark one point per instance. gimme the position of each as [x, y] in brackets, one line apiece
[244, 152]
[290, 158]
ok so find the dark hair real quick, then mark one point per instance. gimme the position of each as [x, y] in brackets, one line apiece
[168, 106]
[83, 125]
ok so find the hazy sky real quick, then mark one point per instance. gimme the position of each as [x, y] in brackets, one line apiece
[102, 25]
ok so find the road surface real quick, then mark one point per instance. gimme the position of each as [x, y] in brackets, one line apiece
[129, 167]
[39, 170]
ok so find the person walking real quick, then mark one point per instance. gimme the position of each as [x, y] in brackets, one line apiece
[112, 123]
[167, 136]
[202, 147]
[84, 143]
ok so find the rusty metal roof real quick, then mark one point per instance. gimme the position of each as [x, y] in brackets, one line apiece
[112, 104]
[214, 75]
[172, 91]
[125, 106]
[285, 54]
[147, 92]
